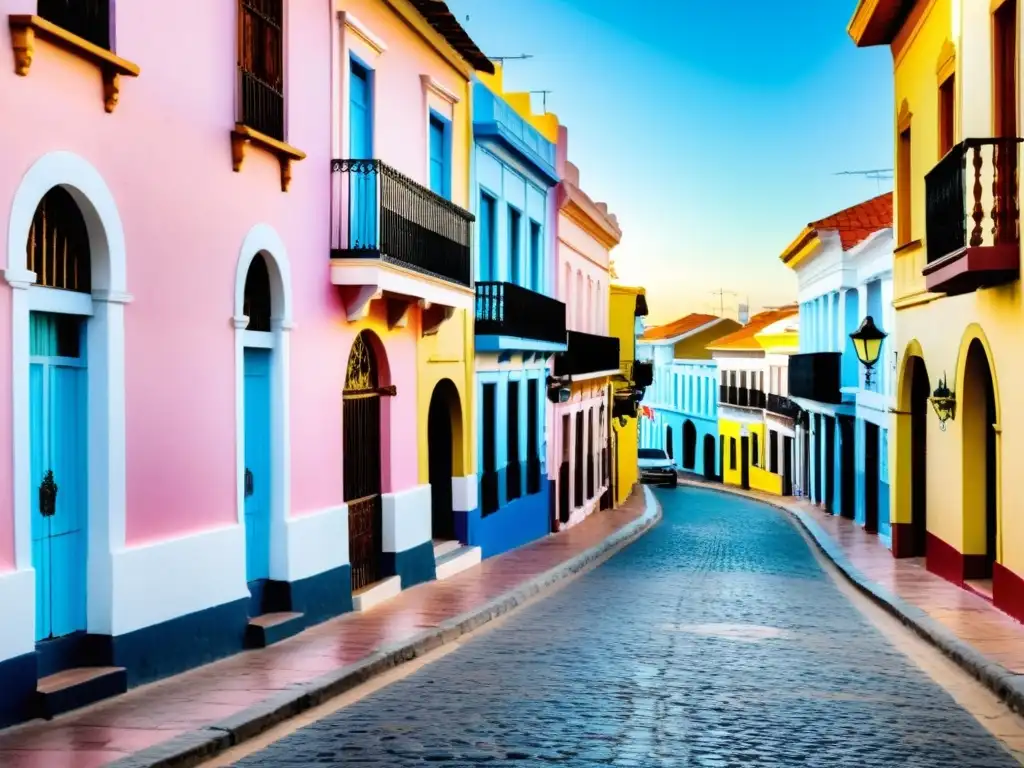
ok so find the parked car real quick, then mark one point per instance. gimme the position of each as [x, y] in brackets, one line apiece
[656, 467]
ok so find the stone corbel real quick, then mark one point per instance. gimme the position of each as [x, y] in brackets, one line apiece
[357, 301]
[243, 135]
[433, 316]
[398, 313]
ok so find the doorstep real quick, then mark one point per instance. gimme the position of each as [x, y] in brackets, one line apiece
[189, 717]
[963, 624]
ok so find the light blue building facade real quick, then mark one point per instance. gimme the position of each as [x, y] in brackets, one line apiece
[843, 440]
[519, 324]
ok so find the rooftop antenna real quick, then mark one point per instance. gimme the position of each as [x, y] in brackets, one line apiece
[503, 59]
[544, 98]
[878, 174]
[721, 293]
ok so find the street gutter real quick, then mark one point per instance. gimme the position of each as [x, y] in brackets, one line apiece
[1002, 682]
[192, 748]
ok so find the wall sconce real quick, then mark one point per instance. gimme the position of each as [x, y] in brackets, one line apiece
[867, 343]
[944, 403]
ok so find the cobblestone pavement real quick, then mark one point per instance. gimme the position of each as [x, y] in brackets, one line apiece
[715, 640]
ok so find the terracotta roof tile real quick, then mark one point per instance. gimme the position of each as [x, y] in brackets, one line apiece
[436, 12]
[743, 339]
[677, 327]
[858, 222]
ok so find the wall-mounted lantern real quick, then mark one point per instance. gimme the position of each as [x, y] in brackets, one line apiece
[944, 403]
[867, 343]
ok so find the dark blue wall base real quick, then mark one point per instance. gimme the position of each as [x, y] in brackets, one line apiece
[513, 525]
[18, 691]
[414, 566]
[319, 598]
[188, 641]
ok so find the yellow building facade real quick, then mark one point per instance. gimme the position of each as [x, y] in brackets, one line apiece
[956, 288]
[752, 438]
[626, 306]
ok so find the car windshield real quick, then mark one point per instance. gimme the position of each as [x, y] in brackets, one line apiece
[651, 453]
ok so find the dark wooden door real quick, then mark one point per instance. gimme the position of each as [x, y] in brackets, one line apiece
[745, 462]
[871, 475]
[848, 462]
[830, 463]
[709, 457]
[787, 466]
[817, 494]
[361, 418]
[439, 440]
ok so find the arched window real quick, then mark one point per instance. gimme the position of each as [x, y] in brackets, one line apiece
[257, 304]
[58, 244]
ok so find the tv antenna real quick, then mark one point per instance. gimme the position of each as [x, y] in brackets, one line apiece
[878, 174]
[721, 294]
[503, 59]
[544, 98]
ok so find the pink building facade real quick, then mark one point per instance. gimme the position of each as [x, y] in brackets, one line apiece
[209, 339]
[579, 455]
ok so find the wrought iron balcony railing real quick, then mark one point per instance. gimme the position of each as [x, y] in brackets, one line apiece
[816, 376]
[89, 19]
[741, 396]
[642, 374]
[506, 309]
[971, 203]
[782, 406]
[587, 353]
[379, 213]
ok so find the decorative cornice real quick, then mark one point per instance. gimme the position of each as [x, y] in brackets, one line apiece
[363, 32]
[581, 209]
[946, 65]
[433, 86]
[904, 118]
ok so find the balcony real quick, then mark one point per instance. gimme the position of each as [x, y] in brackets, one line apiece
[510, 317]
[588, 356]
[816, 376]
[394, 239]
[741, 397]
[971, 217]
[497, 123]
[782, 406]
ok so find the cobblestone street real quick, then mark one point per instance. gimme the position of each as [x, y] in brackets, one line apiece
[715, 640]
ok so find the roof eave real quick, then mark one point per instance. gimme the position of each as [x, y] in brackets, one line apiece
[876, 22]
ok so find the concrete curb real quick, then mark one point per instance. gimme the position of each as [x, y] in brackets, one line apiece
[194, 747]
[1002, 682]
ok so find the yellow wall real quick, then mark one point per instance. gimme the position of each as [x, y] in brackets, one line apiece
[622, 324]
[760, 478]
[693, 347]
[546, 123]
[939, 329]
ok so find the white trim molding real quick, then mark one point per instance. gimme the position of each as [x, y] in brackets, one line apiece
[263, 240]
[105, 339]
[18, 597]
[407, 521]
[363, 32]
[464, 493]
[431, 85]
[315, 542]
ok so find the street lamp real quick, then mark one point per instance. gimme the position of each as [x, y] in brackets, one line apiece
[867, 343]
[944, 403]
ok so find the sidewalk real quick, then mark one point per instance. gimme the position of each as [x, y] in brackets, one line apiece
[201, 712]
[982, 639]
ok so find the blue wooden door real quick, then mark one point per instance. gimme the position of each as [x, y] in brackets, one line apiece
[363, 220]
[438, 158]
[58, 448]
[257, 478]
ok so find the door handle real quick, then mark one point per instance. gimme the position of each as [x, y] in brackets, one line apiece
[48, 495]
[248, 482]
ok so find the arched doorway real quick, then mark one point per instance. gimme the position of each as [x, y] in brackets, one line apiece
[361, 415]
[444, 439]
[689, 445]
[59, 253]
[980, 501]
[709, 457]
[257, 477]
[668, 442]
[920, 390]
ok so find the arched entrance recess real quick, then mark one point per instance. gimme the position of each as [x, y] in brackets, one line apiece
[668, 442]
[364, 419]
[979, 418]
[262, 322]
[444, 439]
[67, 355]
[689, 445]
[709, 457]
[919, 392]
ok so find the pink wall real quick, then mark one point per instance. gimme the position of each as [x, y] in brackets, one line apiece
[165, 155]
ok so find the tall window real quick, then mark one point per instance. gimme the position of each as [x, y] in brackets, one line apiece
[904, 188]
[488, 261]
[515, 222]
[1004, 53]
[732, 453]
[440, 178]
[536, 263]
[533, 435]
[490, 488]
[755, 450]
[947, 110]
[89, 19]
[261, 66]
[513, 474]
[773, 451]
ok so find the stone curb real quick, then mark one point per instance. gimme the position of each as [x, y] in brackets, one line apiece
[1005, 684]
[194, 747]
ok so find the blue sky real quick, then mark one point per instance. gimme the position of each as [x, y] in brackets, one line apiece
[712, 130]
